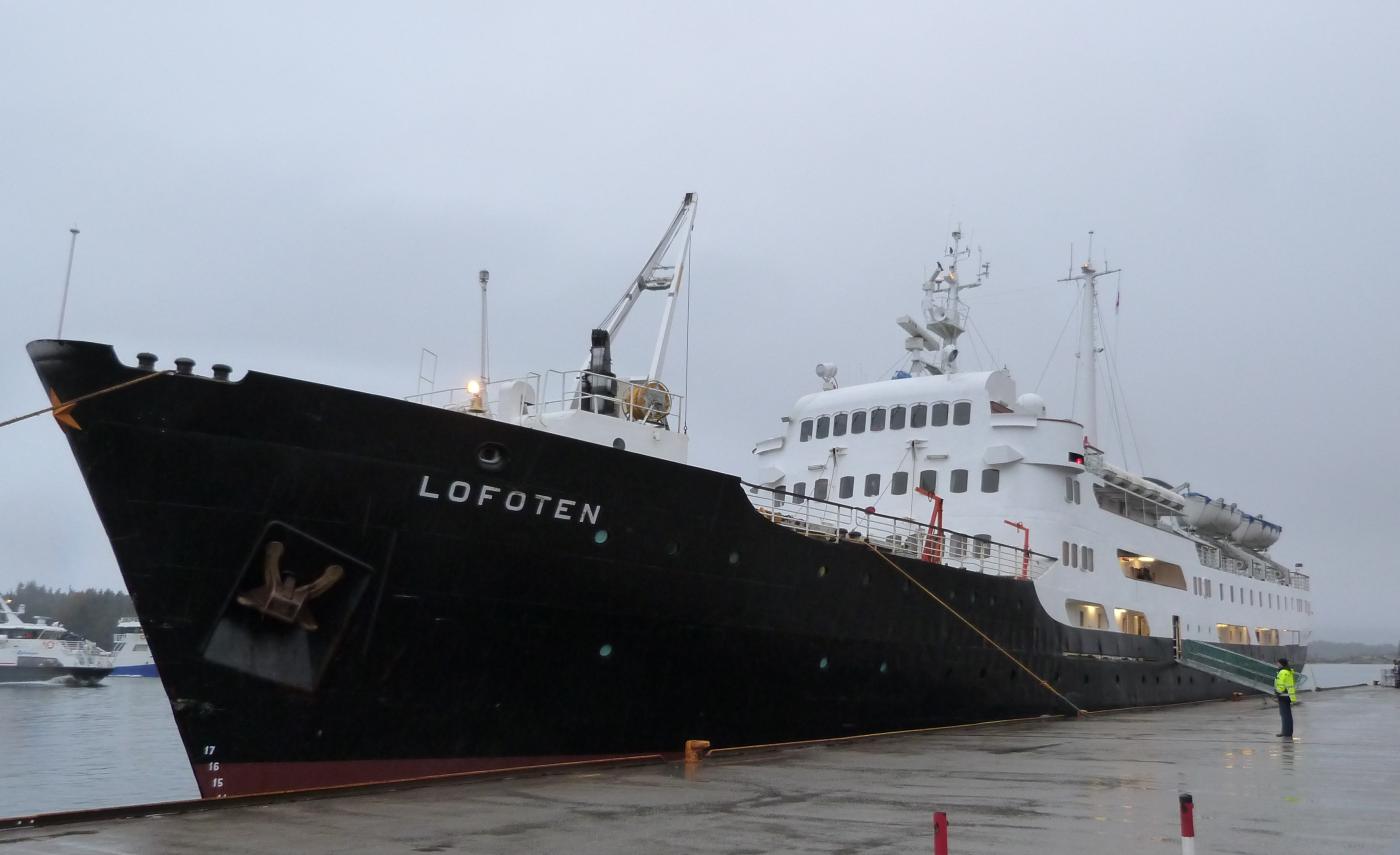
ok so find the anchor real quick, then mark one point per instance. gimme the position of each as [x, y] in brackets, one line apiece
[280, 597]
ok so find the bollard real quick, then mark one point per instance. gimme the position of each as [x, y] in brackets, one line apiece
[1188, 824]
[940, 833]
[695, 750]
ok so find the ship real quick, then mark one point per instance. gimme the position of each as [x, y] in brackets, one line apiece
[341, 588]
[131, 655]
[44, 650]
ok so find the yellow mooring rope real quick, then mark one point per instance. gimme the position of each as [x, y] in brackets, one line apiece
[64, 406]
[973, 627]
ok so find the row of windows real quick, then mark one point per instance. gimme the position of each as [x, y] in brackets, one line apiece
[899, 485]
[1074, 555]
[877, 418]
[1248, 596]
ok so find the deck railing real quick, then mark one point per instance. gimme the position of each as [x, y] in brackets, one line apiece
[831, 521]
[559, 391]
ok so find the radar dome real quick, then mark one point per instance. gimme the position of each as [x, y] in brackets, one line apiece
[1031, 404]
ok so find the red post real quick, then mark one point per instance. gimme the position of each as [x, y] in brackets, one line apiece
[940, 833]
[933, 543]
[1025, 548]
[1188, 824]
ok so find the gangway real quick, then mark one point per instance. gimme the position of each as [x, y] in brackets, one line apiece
[1229, 665]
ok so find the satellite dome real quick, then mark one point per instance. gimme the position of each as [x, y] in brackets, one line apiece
[1031, 404]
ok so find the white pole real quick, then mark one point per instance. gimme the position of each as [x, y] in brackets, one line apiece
[483, 277]
[63, 306]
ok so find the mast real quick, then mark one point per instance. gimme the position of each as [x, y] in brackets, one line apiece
[1086, 370]
[67, 277]
[944, 315]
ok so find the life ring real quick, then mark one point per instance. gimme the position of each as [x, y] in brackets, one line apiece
[49, 645]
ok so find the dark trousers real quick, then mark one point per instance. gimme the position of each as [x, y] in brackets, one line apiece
[1285, 713]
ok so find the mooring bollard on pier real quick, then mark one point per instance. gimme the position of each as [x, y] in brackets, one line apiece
[1188, 824]
[940, 833]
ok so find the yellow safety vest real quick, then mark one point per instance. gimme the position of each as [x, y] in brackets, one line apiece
[1285, 684]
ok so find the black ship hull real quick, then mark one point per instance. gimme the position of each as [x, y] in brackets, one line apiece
[508, 598]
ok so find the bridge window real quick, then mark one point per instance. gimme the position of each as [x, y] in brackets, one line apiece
[823, 427]
[991, 480]
[938, 415]
[1131, 622]
[958, 483]
[819, 489]
[897, 418]
[838, 425]
[928, 480]
[1085, 614]
[799, 492]
[899, 483]
[806, 430]
[918, 415]
[877, 419]
[848, 486]
[962, 412]
[981, 545]
[858, 421]
[872, 484]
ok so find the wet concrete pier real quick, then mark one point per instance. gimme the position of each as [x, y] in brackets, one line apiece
[1105, 784]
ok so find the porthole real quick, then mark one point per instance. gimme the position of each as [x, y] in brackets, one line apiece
[619, 443]
[884, 667]
[823, 663]
[605, 651]
[672, 548]
[821, 572]
[491, 456]
[733, 558]
[600, 536]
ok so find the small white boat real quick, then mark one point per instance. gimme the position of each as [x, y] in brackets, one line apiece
[43, 649]
[130, 652]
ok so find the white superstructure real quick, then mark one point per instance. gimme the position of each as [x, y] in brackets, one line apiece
[130, 653]
[43, 649]
[1117, 551]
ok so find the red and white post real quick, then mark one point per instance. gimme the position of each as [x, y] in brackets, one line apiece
[940, 833]
[1188, 824]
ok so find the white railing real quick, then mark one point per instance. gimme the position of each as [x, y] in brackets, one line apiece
[830, 521]
[1301, 581]
[560, 391]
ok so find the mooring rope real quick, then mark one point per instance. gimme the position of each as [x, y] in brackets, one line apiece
[970, 625]
[67, 405]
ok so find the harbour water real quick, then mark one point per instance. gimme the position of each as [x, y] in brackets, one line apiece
[69, 748]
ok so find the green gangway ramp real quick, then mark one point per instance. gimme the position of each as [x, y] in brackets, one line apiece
[1229, 665]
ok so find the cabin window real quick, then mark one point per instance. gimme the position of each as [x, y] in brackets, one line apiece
[1087, 615]
[799, 492]
[877, 419]
[1207, 584]
[779, 495]
[872, 484]
[1251, 596]
[848, 486]
[957, 546]
[838, 425]
[928, 480]
[1064, 552]
[1086, 555]
[1131, 622]
[1074, 555]
[981, 545]
[1230, 633]
[938, 415]
[1266, 635]
[1076, 491]
[897, 415]
[819, 489]
[899, 483]
[1196, 585]
[962, 412]
[1069, 488]
[991, 480]
[823, 427]
[858, 421]
[1145, 568]
[918, 415]
[806, 430]
[958, 482]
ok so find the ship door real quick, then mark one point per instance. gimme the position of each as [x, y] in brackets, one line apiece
[1176, 635]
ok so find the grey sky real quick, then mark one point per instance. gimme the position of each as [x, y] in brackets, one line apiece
[308, 189]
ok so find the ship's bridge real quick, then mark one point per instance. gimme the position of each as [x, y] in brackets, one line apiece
[965, 437]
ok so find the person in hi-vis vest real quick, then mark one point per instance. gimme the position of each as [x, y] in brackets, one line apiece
[1286, 690]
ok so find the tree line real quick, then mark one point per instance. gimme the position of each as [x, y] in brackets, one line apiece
[91, 613]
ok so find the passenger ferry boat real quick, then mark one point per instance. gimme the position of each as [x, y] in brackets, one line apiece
[130, 652]
[343, 588]
[43, 649]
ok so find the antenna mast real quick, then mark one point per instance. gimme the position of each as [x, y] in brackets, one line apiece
[945, 315]
[1088, 413]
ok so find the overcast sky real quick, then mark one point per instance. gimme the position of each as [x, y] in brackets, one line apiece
[309, 189]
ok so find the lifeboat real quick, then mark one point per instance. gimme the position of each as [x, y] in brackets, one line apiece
[1256, 532]
[1211, 516]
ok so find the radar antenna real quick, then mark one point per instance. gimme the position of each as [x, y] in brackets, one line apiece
[933, 347]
